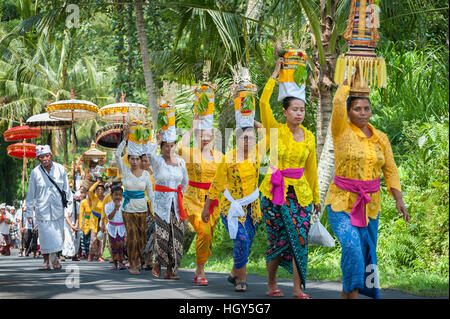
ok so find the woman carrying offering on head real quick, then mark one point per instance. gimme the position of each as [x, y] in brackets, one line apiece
[290, 189]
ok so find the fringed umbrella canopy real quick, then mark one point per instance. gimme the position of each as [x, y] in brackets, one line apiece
[45, 122]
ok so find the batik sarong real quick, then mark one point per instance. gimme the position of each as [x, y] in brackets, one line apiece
[135, 226]
[287, 229]
[116, 246]
[359, 258]
[168, 247]
[244, 239]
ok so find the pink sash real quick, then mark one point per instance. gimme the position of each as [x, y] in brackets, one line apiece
[277, 180]
[362, 188]
[115, 224]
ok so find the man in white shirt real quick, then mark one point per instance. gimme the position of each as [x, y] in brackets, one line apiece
[47, 198]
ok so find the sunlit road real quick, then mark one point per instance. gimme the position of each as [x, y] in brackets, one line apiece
[20, 278]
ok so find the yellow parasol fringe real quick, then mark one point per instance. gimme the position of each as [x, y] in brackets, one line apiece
[372, 70]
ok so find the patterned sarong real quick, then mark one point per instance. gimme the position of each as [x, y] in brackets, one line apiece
[244, 239]
[287, 229]
[116, 246]
[136, 227]
[168, 247]
[359, 258]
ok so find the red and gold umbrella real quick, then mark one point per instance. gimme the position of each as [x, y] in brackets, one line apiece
[22, 150]
[22, 132]
[109, 136]
[25, 151]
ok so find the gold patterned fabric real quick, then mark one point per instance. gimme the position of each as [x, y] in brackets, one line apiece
[200, 171]
[240, 178]
[358, 157]
[290, 154]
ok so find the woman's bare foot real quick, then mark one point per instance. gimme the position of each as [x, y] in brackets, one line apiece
[156, 271]
[45, 266]
[134, 271]
[170, 275]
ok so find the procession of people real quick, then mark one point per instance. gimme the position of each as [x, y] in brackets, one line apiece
[137, 217]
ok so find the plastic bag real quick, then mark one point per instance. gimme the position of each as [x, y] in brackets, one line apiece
[319, 236]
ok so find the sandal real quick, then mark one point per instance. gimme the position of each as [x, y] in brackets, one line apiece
[122, 267]
[134, 272]
[242, 284]
[302, 296]
[275, 293]
[232, 279]
[201, 281]
[113, 268]
[172, 277]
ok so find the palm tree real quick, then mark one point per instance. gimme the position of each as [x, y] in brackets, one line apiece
[148, 76]
[45, 72]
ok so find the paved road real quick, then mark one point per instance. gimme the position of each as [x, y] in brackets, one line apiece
[19, 278]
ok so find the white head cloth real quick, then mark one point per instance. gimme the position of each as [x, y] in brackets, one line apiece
[42, 149]
[291, 89]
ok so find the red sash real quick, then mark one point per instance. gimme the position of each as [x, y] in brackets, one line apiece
[165, 189]
[214, 203]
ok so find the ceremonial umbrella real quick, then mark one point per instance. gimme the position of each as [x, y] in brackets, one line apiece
[22, 150]
[45, 123]
[22, 132]
[72, 110]
[123, 111]
[109, 136]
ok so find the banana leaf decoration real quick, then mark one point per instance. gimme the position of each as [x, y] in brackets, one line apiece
[163, 120]
[202, 105]
[247, 105]
[146, 133]
[300, 75]
[137, 134]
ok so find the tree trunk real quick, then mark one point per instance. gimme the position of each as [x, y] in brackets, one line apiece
[325, 150]
[325, 85]
[325, 168]
[148, 76]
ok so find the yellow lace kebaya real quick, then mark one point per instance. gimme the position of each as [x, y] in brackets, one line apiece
[240, 178]
[358, 157]
[200, 171]
[289, 154]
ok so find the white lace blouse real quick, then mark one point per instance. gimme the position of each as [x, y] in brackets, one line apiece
[169, 176]
[133, 183]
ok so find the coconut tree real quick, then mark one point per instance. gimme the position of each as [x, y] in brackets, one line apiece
[47, 72]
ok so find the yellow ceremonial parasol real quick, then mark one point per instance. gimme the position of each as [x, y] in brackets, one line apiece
[123, 111]
[72, 110]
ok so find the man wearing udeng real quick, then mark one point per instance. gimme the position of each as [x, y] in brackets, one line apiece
[46, 189]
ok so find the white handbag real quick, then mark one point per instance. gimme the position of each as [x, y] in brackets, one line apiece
[319, 236]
